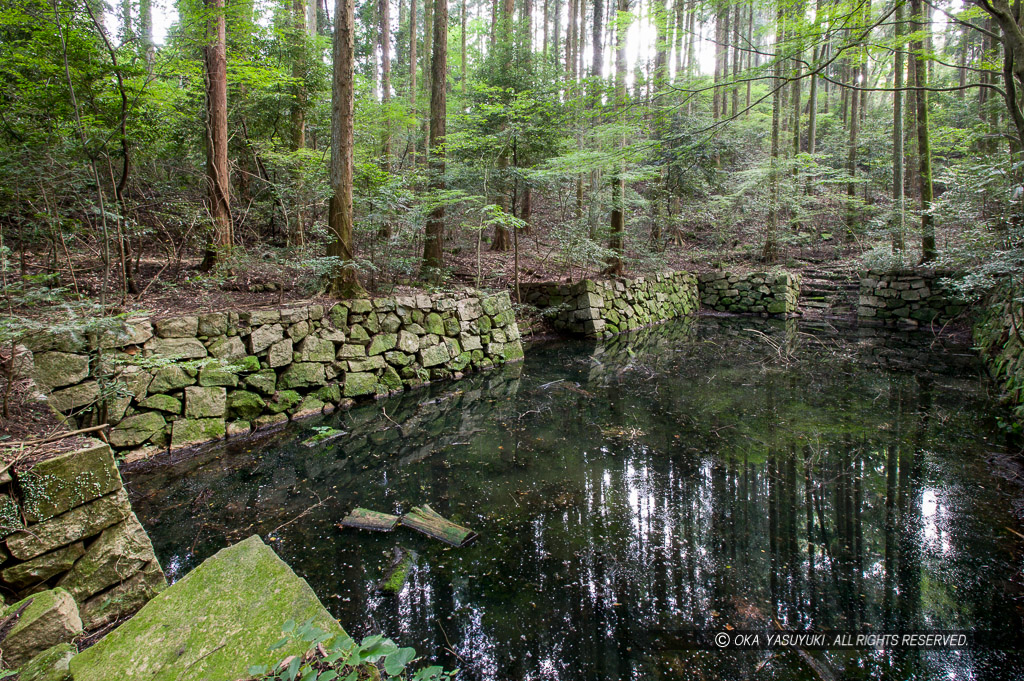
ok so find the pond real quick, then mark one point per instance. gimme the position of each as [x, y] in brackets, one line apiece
[709, 474]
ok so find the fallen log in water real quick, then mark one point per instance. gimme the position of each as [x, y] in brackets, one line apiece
[365, 519]
[398, 571]
[426, 520]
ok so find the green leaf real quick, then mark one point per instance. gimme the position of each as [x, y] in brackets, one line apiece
[396, 662]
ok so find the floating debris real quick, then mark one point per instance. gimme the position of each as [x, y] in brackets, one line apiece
[426, 520]
[365, 519]
[324, 435]
[398, 572]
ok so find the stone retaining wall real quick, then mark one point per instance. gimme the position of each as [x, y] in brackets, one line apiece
[66, 523]
[599, 309]
[185, 380]
[906, 297]
[764, 293]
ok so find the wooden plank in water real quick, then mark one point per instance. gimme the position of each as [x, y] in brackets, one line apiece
[426, 520]
[365, 519]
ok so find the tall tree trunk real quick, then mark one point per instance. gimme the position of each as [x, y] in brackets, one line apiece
[571, 42]
[596, 68]
[344, 282]
[217, 177]
[897, 135]
[770, 250]
[428, 29]
[462, 20]
[413, 37]
[737, 22]
[851, 158]
[146, 28]
[433, 240]
[296, 230]
[618, 214]
[501, 240]
[679, 8]
[924, 159]
[661, 45]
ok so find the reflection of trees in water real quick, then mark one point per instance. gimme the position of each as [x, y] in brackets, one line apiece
[674, 477]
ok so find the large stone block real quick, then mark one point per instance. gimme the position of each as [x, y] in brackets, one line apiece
[381, 343]
[263, 337]
[228, 348]
[213, 324]
[434, 355]
[188, 432]
[315, 349]
[245, 405]
[170, 378]
[176, 348]
[76, 396]
[59, 484]
[177, 327]
[217, 374]
[139, 428]
[120, 551]
[57, 369]
[42, 568]
[302, 375]
[205, 402]
[280, 354]
[357, 384]
[124, 598]
[50, 618]
[78, 523]
[213, 624]
[265, 382]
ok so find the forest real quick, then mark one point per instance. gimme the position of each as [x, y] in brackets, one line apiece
[153, 153]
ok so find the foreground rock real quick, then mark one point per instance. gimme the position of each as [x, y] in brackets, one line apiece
[51, 618]
[214, 624]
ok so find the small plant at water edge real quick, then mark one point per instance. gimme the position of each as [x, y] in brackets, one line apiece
[328, 658]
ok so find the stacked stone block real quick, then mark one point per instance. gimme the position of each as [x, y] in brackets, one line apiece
[906, 297]
[599, 309]
[185, 380]
[66, 524]
[762, 293]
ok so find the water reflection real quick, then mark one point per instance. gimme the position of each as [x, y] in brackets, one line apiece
[699, 474]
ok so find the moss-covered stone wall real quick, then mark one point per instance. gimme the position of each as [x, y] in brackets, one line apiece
[763, 293]
[67, 523]
[906, 297]
[599, 309]
[177, 382]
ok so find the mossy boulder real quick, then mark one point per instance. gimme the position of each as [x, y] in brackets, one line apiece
[171, 405]
[282, 401]
[50, 618]
[214, 623]
[245, 405]
[265, 382]
[188, 432]
[357, 384]
[50, 665]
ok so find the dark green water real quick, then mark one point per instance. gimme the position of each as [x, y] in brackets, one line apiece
[699, 474]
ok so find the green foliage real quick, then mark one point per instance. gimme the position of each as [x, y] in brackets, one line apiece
[344, 659]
